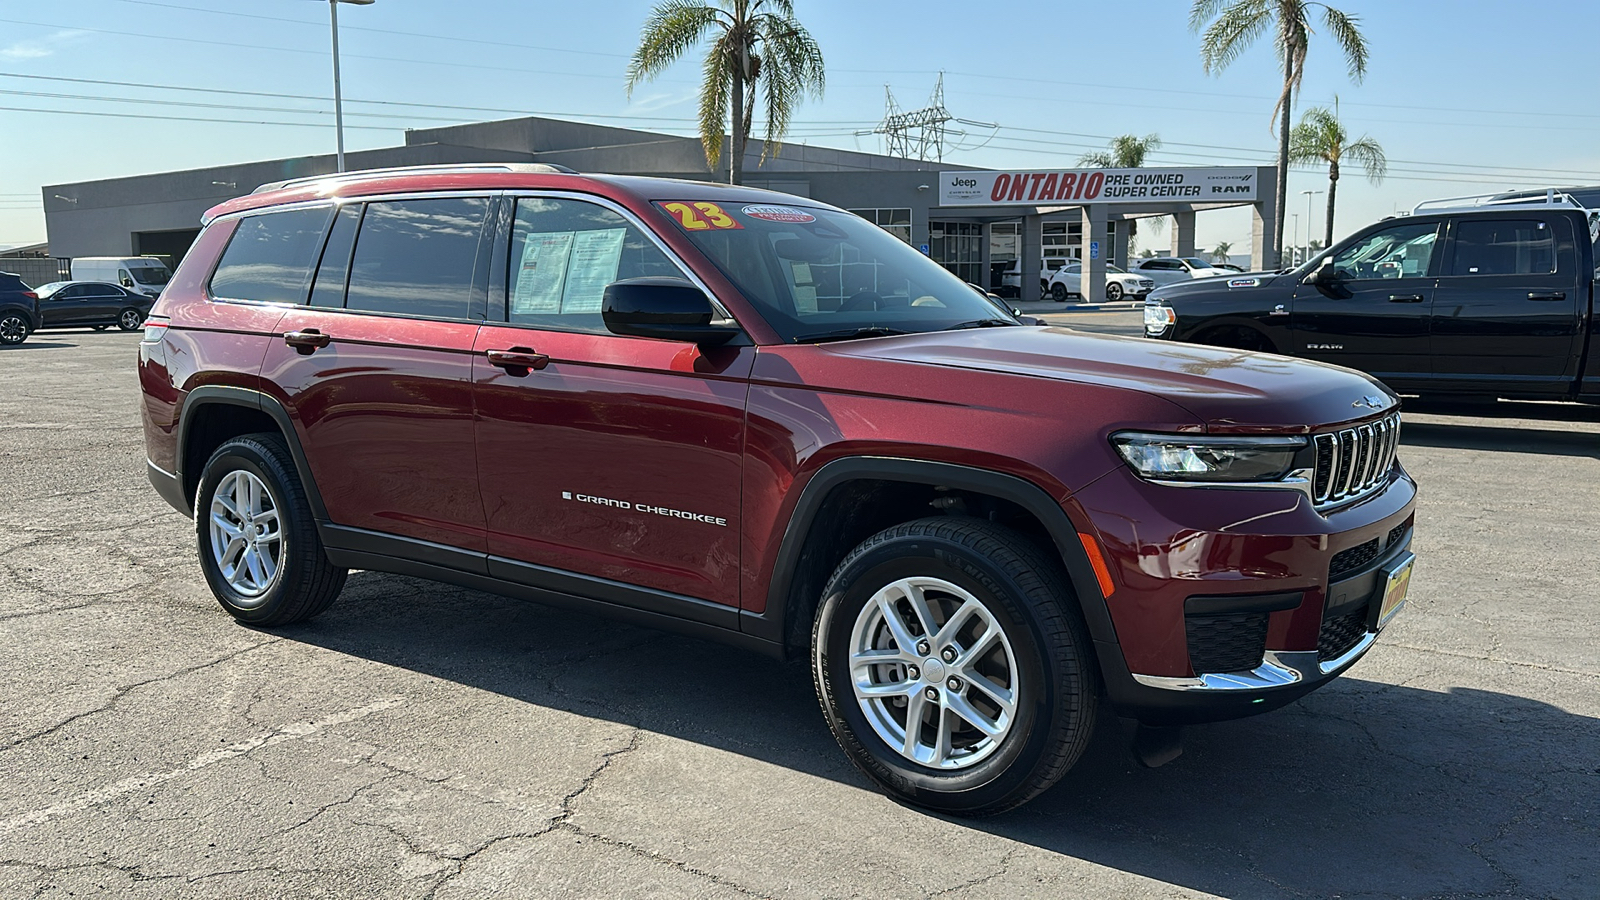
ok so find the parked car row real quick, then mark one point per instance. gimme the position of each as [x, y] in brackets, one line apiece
[66, 304]
[1059, 277]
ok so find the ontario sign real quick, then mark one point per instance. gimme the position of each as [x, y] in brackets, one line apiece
[1036, 187]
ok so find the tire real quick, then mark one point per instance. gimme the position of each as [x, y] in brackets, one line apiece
[1058, 292]
[292, 579]
[1041, 653]
[1113, 291]
[14, 329]
[130, 319]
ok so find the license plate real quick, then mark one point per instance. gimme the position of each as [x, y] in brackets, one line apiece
[1398, 580]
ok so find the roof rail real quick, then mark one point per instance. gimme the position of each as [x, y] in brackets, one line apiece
[444, 169]
[1520, 199]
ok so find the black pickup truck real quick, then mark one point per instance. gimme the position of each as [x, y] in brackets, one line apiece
[1493, 298]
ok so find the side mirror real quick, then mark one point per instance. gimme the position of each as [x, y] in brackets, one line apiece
[1323, 274]
[668, 308]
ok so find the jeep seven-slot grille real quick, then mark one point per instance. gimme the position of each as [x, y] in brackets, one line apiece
[1354, 461]
[1226, 642]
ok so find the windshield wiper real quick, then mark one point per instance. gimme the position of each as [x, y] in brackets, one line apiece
[981, 323]
[845, 334]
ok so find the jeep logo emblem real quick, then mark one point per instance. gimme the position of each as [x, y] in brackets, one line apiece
[1369, 403]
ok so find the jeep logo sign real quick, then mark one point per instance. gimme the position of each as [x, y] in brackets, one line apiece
[1075, 187]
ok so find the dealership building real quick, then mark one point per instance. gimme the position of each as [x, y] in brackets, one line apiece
[975, 222]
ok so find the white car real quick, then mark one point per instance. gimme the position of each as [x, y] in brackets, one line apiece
[1167, 269]
[1011, 279]
[1068, 280]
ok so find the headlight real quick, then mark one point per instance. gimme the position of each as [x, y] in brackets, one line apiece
[1158, 318]
[1174, 457]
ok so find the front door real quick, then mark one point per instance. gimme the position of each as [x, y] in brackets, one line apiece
[1371, 311]
[378, 375]
[617, 458]
[1507, 312]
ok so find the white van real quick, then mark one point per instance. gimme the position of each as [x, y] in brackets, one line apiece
[145, 274]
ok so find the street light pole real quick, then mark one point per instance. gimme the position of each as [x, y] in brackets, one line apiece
[1309, 195]
[1294, 246]
[338, 98]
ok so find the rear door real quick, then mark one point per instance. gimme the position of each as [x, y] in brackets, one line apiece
[1374, 315]
[620, 458]
[101, 302]
[376, 371]
[1507, 311]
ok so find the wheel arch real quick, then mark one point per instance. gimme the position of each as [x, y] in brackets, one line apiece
[1218, 328]
[213, 414]
[820, 532]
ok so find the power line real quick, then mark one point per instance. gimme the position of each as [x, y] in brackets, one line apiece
[113, 115]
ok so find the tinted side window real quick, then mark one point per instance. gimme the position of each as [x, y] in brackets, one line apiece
[417, 257]
[1504, 247]
[1403, 251]
[564, 253]
[328, 289]
[269, 257]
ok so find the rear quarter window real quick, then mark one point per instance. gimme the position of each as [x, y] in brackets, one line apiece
[269, 257]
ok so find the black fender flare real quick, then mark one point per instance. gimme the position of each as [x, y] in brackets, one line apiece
[252, 399]
[1247, 323]
[772, 623]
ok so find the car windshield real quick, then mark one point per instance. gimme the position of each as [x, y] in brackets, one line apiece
[150, 274]
[1197, 263]
[817, 274]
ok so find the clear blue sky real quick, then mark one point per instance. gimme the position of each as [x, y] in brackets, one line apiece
[1465, 95]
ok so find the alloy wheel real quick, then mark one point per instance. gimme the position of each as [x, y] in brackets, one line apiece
[246, 535]
[934, 673]
[13, 330]
[130, 320]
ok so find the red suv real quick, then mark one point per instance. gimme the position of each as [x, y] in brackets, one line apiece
[757, 419]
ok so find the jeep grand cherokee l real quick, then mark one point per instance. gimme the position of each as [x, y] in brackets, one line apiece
[754, 418]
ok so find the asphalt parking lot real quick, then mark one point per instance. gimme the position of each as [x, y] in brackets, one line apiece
[428, 741]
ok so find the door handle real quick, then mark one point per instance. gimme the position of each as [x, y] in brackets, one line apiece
[307, 341]
[517, 361]
[1547, 295]
[1406, 298]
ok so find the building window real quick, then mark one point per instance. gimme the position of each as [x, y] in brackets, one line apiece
[958, 246]
[895, 221]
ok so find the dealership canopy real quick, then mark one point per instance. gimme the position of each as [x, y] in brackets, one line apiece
[1080, 186]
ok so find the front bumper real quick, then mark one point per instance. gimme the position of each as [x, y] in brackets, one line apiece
[1231, 603]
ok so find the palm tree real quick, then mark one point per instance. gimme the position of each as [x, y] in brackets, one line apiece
[1235, 24]
[756, 46]
[1320, 138]
[1127, 151]
[1220, 252]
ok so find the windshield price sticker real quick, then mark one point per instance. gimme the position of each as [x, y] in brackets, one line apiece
[700, 216]
[779, 214]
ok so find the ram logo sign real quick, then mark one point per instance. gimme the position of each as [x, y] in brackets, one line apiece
[1076, 187]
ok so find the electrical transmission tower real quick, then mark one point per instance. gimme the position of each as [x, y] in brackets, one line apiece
[920, 133]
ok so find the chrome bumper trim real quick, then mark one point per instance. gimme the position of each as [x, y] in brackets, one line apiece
[1279, 668]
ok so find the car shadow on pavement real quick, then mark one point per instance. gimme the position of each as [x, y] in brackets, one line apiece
[40, 345]
[1359, 788]
[1467, 436]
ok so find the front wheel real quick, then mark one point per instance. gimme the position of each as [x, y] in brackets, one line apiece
[1113, 291]
[13, 329]
[130, 319]
[259, 547]
[952, 666]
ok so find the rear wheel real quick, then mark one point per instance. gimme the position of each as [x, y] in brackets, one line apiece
[952, 665]
[130, 319]
[13, 329]
[1058, 292]
[259, 547]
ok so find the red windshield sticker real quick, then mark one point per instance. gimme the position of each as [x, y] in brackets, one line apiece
[778, 214]
[700, 216]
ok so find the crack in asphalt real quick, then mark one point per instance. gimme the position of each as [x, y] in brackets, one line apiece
[1545, 667]
[124, 690]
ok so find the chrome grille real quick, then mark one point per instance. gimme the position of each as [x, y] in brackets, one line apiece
[1354, 461]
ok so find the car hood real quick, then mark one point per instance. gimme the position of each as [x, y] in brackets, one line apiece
[1233, 281]
[1232, 391]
